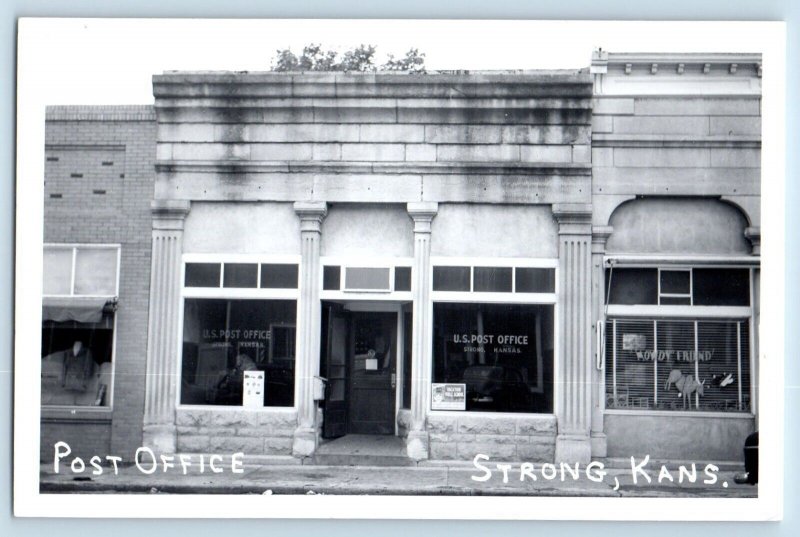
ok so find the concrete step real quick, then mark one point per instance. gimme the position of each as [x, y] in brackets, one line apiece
[362, 460]
[363, 450]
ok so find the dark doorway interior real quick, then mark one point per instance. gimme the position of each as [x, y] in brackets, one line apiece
[358, 359]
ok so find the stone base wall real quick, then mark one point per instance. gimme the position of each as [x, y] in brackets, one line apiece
[225, 431]
[508, 438]
[683, 437]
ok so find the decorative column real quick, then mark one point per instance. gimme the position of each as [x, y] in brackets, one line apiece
[309, 318]
[599, 441]
[573, 405]
[753, 236]
[161, 380]
[417, 441]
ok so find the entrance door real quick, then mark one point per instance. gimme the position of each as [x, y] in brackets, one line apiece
[372, 373]
[336, 329]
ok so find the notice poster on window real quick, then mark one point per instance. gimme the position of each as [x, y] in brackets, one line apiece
[448, 397]
[253, 389]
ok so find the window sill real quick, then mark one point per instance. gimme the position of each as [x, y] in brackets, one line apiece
[681, 413]
[77, 414]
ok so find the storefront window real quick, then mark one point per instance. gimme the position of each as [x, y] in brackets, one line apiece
[664, 364]
[502, 353]
[76, 362]
[78, 305]
[223, 338]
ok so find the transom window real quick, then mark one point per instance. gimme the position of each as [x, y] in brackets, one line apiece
[494, 279]
[678, 286]
[241, 275]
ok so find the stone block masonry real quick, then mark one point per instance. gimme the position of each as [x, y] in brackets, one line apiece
[501, 437]
[261, 432]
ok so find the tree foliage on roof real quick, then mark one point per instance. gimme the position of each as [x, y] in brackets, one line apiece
[358, 59]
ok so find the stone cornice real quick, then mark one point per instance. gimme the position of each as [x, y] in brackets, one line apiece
[231, 85]
[660, 140]
[405, 168]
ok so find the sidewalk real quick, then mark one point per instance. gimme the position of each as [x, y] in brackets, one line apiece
[414, 480]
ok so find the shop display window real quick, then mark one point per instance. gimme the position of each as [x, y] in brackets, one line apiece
[678, 364]
[224, 338]
[502, 353]
[78, 309]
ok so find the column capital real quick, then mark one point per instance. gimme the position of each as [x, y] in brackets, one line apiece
[753, 234]
[169, 214]
[311, 214]
[600, 235]
[422, 213]
[573, 218]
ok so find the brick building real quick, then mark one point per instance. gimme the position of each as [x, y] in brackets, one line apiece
[98, 185]
[531, 265]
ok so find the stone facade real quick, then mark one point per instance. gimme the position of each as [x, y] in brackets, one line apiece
[575, 167]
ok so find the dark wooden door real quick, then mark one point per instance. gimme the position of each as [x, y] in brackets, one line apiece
[336, 349]
[372, 373]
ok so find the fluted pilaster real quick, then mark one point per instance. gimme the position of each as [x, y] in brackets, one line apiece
[600, 235]
[309, 314]
[422, 214]
[573, 405]
[161, 382]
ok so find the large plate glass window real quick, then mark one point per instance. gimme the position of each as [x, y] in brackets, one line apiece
[78, 304]
[224, 338]
[503, 353]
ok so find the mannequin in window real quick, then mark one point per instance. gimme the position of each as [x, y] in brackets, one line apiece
[71, 377]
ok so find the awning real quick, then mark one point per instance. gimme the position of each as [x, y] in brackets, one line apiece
[627, 260]
[80, 309]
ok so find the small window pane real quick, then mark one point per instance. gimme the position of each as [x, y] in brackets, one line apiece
[675, 282]
[369, 278]
[275, 276]
[675, 301]
[331, 278]
[57, 273]
[492, 279]
[632, 286]
[535, 280]
[721, 287]
[451, 278]
[402, 278]
[241, 275]
[202, 275]
[96, 272]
